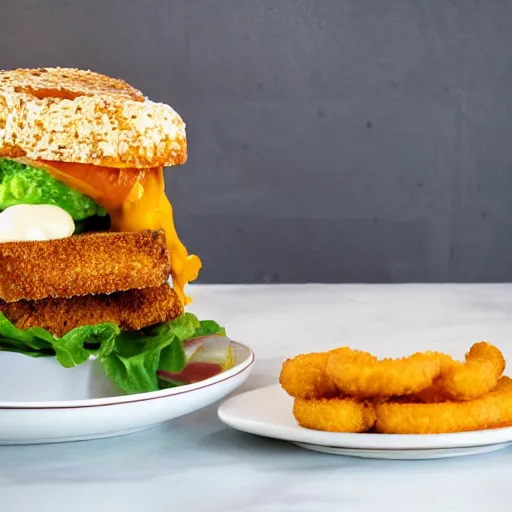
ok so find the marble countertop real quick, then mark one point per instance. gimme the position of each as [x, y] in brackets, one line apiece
[197, 464]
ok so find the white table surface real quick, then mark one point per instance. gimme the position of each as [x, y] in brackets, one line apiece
[197, 464]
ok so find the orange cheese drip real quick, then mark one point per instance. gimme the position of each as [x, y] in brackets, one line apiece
[135, 200]
[147, 207]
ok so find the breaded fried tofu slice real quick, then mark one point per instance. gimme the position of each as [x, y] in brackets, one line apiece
[130, 310]
[82, 265]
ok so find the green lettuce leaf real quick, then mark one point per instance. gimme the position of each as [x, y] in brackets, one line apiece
[140, 355]
[22, 184]
[79, 344]
[72, 349]
[130, 359]
[209, 327]
[135, 373]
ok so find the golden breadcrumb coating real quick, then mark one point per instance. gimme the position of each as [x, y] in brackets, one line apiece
[356, 374]
[304, 376]
[488, 411]
[335, 414]
[472, 379]
[130, 310]
[83, 264]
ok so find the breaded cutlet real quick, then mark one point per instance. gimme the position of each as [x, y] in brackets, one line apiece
[130, 310]
[85, 264]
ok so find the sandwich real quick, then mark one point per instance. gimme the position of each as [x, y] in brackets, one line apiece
[91, 264]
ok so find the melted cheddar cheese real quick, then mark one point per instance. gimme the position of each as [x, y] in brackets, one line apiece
[135, 200]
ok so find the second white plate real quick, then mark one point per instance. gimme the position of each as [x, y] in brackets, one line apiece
[268, 412]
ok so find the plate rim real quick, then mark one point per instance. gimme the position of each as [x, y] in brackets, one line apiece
[363, 441]
[395, 450]
[406, 455]
[138, 397]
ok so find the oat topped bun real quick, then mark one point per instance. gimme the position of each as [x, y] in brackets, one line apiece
[70, 115]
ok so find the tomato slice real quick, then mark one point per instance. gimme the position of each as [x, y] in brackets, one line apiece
[108, 186]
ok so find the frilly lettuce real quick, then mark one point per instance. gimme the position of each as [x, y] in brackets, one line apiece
[136, 361]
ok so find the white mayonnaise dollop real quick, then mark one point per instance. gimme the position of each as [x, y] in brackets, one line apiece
[27, 222]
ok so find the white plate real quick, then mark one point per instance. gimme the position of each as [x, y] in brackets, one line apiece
[268, 412]
[41, 402]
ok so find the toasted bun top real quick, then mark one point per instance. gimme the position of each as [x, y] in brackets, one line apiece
[70, 115]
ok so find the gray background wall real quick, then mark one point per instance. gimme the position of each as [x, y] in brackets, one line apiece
[330, 140]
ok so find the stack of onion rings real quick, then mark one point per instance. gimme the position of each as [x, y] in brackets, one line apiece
[346, 390]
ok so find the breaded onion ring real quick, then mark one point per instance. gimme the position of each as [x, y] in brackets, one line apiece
[489, 411]
[458, 381]
[480, 373]
[304, 376]
[335, 414]
[357, 376]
